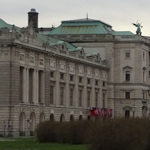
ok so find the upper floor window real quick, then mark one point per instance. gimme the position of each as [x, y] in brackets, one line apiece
[61, 75]
[143, 56]
[127, 54]
[51, 74]
[127, 76]
[88, 81]
[104, 84]
[127, 95]
[71, 77]
[96, 82]
[80, 79]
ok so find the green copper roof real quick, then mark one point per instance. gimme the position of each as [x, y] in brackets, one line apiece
[86, 26]
[3, 24]
[122, 33]
[92, 54]
[53, 41]
[82, 26]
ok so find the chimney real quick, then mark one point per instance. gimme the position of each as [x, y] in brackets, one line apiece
[33, 19]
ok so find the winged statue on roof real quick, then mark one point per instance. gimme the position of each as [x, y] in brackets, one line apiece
[138, 25]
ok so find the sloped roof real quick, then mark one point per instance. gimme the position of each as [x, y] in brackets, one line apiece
[82, 26]
[86, 26]
[3, 24]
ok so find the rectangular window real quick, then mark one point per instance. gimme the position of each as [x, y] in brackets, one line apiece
[51, 94]
[71, 97]
[127, 76]
[62, 76]
[31, 85]
[88, 98]
[127, 95]
[80, 79]
[51, 74]
[88, 81]
[96, 82]
[80, 97]
[104, 84]
[103, 100]
[143, 56]
[71, 77]
[61, 95]
[96, 99]
[127, 54]
[21, 84]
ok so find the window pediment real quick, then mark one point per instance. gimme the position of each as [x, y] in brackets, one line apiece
[127, 68]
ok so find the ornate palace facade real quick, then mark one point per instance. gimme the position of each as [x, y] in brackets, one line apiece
[61, 75]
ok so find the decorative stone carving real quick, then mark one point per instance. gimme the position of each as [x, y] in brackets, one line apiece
[22, 57]
[41, 61]
[62, 67]
[96, 74]
[52, 65]
[80, 69]
[89, 72]
[72, 69]
[31, 60]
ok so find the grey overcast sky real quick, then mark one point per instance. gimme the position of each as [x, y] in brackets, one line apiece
[118, 13]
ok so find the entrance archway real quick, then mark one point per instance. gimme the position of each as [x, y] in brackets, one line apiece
[62, 118]
[52, 117]
[71, 118]
[22, 124]
[32, 124]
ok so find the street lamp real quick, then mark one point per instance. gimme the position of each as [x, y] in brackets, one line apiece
[133, 110]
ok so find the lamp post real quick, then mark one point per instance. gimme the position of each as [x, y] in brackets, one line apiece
[133, 110]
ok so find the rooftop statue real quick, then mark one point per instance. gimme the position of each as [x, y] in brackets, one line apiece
[138, 25]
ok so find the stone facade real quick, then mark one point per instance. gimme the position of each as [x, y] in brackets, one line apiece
[128, 58]
[41, 82]
[43, 78]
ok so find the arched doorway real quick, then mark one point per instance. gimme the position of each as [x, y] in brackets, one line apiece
[89, 117]
[62, 118]
[80, 117]
[32, 124]
[42, 117]
[52, 118]
[71, 118]
[22, 124]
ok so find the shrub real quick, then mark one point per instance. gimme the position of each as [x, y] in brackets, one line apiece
[120, 134]
[47, 131]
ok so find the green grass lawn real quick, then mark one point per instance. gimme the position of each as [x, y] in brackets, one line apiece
[32, 144]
